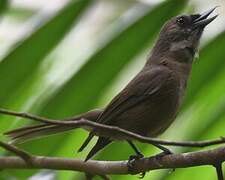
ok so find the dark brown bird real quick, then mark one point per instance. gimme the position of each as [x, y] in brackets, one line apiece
[150, 102]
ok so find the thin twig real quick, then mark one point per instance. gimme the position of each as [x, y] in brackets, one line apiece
[26, 115]
[113, 131]
[22, 154]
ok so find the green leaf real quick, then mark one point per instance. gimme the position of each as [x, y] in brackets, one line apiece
[210, 63]
[209, 119]
[3, 5]
[20, 13]
[196, 173]
[23, 62]
[206, 121]
[19, 64]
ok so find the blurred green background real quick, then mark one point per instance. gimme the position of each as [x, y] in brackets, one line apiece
[59, 58]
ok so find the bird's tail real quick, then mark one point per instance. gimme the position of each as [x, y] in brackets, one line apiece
[85, 143]
[37, 131]
[101, 143]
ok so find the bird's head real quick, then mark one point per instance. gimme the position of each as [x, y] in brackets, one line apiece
[180, 36]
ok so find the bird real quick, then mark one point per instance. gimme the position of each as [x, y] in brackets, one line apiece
[150, 102]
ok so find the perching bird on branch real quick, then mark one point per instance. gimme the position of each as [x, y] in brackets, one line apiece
[150, 102]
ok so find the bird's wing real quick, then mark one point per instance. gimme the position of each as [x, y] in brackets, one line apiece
[146, 84]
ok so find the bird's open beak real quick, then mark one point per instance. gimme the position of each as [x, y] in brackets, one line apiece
[202, 20]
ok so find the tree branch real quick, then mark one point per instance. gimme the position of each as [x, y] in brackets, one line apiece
[200, 158]
[213, 157]
[113, 131]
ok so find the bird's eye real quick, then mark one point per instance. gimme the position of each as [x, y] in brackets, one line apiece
[181, 21]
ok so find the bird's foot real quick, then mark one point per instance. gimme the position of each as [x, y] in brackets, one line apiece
[162, 154]
[131, 164]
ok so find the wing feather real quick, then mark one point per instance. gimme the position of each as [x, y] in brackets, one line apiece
[145, 85]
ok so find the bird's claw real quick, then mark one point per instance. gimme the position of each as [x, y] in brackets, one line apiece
[136, 157]
[131, 163]
[142, 175]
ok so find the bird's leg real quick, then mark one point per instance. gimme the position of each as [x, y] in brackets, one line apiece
[136, 150]
[164, 149]
[165, 152]
[134, 158]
